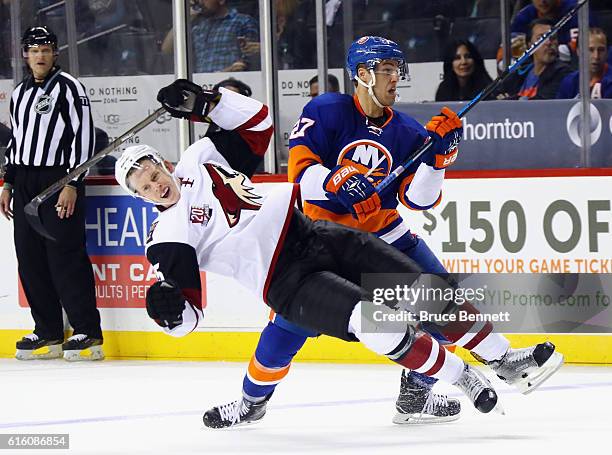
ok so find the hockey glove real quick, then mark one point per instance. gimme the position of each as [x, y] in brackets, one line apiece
[184, 99]
[446, 131]
[165, 304]
[354, 191]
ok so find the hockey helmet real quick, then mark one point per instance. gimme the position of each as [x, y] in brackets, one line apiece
[129, 160]
[38, 36]
[371, 50]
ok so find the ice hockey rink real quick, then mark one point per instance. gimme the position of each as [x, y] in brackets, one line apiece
[151, 407]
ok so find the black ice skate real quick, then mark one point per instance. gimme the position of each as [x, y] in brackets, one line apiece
[82, 347]
[32, 347]
[239, 412]
[527, 368]
[417, 404]
[478, 389]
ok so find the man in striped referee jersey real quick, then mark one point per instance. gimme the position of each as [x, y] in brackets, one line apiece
[52, 133]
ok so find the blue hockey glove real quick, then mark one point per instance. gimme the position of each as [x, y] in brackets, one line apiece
[354, 191]
[446, 131]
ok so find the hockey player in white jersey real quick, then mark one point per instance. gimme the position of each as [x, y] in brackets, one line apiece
[213, 219]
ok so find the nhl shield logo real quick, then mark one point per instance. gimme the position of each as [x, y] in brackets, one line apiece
[43, 105]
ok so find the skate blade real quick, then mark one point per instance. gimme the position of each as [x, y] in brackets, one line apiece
[44, 353]
[92, 353]
[236, 425]
[541, 374]
[422, 419]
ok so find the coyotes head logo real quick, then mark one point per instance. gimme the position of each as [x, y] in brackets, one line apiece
[233, 195]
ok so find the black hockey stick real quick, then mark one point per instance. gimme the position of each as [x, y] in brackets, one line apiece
[31, 208]
[483, 94]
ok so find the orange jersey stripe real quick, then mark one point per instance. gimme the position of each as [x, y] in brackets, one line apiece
[374, 224]
[259, 373]
[433, 206]
[300, 157]
[401, 193]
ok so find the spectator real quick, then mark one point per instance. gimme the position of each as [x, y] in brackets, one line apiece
[231, 139]
[234, 85]
[600, 72]
[332, 85]
[220, 37]
[547, 9]
[51, 135]
[464, 73]
[541, 78]
[214, 131]
[295, 43]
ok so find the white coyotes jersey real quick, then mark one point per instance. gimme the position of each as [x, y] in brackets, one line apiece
[234, 228]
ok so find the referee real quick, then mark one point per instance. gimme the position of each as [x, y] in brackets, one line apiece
[52, 133]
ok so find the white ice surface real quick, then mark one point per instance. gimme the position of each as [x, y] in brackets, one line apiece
[140, 407]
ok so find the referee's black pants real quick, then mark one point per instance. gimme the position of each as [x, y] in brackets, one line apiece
[54, 274]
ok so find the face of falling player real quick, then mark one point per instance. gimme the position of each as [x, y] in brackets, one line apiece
[387, 76]
[40, 59]
[154, 183]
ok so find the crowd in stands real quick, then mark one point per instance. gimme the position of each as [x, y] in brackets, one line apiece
[553, 70]
[120, 37]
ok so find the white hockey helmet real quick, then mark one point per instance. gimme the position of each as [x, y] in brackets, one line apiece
[129, 160]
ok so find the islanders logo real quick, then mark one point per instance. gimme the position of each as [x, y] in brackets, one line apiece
[369, 157]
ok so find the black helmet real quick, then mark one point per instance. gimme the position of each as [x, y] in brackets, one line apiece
[37, 36]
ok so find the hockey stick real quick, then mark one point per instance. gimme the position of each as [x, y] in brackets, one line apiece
[483, 94]
[31, 208]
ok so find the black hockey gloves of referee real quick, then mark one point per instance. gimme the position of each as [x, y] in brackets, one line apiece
[165, 304]
[184, 99]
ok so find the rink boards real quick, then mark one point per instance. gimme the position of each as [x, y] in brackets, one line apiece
[527, 222]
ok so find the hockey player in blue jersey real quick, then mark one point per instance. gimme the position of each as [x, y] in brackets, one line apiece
[358, 141]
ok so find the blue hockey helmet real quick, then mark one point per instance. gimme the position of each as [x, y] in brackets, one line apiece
[371, 50]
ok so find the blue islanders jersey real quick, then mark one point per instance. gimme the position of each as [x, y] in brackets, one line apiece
[333, 130]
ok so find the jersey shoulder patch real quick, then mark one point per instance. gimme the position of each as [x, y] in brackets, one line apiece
[172, 225]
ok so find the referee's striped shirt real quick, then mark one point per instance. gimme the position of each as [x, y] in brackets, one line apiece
[51, 122]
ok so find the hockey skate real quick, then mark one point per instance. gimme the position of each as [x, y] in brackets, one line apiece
[32, 347]
[417, 404]
[239, 412]
[527, 368]
[82, 347]
[479, 390]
